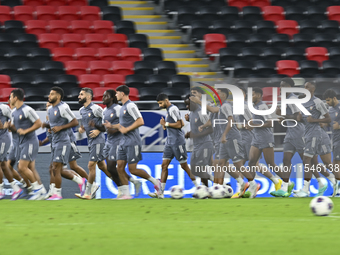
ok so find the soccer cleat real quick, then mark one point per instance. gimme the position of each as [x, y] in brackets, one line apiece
[335, 188]
[300, 193]
[290, 187]
[78, 195]
[55, 197]
[82, 186]
[49, 194]
[94, 189]
[17, 194]
[246, 194]
[278, 185]
[161, 196]
[125, 197]
[236, 195]
[243, 188]
[37, 194]
[322, 190]
[153, 194]
[158, 188]
[253, 189]
[278, 193]
[2, 194]
[138, 187]
[86, 197]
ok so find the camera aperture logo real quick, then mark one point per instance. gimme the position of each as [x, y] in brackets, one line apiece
[204, 105]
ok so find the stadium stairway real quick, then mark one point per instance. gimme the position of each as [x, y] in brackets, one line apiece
[156, 27]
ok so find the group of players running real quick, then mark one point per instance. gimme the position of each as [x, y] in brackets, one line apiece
[212, 146]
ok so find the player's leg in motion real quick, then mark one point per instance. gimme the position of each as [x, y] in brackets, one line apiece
[22, 179]
[17, 191]
[52, 183]
[319, 168]
[327, 160]
[78, 169]
[2, 193]
[37, 193]
[254, 156]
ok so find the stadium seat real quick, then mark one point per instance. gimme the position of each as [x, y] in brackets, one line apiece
[90, 13]
[331, 67]
[5, 81]
[325, 40]
[23, 12]
[40, 54]
[180, 81]
[243, 26]
[131, 54]
[185, 14]
[53, 67]
[265, 67]
[318, 54]
[63, 54]
[295, 53]
[136, 80]
[334, 13]
[72, 40]
[273, 13]
[14, 27]
[109, 54]
[23, 81]
[243, 68]
[329, 26]
[125, 27]
[148, 106]
[158, 81]
[26, 41]
[166, 67]
[90, 80]
[95, 40]
[294, 12]
[103, 27]
[112, 13]
[59, 26]
[9, 67]
[207, 12]
[148, 93]
[46, 12]
[7, 41]
[303, 40]
[308, 68]
[68, 13]
[36, 94]
[213, 43]
[113, 80]
[238, 3]
[140, 41]
[17, 54]
[79, 3]
[98, 92]
[44, 80]
[228, 56]
[259, 40]
[5, 13]
[5, 93]
[144, 67]
[11, 3]
[268, 93]
[237, 40]
[280, 41]
[251, 13]
[289, 27]
[3, 54]
[265, 27]
[86, 54]
[56, 3]
[334, 53]
[99, 3]
[260, 3]
[117, 41]
[100, 67]
[33, 3]
[176, 93]
[36, 27]
[71, 94]
[134, 94]
[122, 67]
[316, 13]
[309, 26]
[152, 54]
[288, 67]
[66, 81]
[31, 67]
[251, 53]
[81, 27]
[49, 41]
[229, 13]
[198, 29]
[76, 67]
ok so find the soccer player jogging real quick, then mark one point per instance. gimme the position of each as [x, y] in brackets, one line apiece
[25, 121]
[89, 113]
[5, 143]
[129, 149]
[175, 142]
[111, 117]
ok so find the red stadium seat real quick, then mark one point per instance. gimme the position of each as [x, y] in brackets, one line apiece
[76, 67]
[288, 67]
[90, 13]
[63, 54]
[334, 13]
[5, 93]
[81, 27]
[86, 54]
[100, 67]
[72, 40]
[268, 93]
[77, 2]
[103, 27]
[214, 42]
[238, 3]
[131, 54]
[289, 27]
[113, 80]
[23, 13]
[318, 54]
[92, 81]
[117, 41]
[36, 27]
[134, 94]
[49, 41]
[109, 54]
[33, 3]
[260, 3]
[56, 3]
[273, 13]
[59, 26]
[5, 81]
[68, 12]
[122, 67]
[98, 93]
[46, 13]
[95, 40]
[5, 13]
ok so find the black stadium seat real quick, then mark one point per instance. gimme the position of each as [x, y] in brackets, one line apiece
[9, 67]
[167, 67]
[251, 53]
[308, 68]
[112, 13]
[158, 81]
[294, 12]
[229, 13]
[125, 27]
[53, 67]
[252, 13]
[265, 67]
[27, 40]
[152, 54]
[44, 80]
[40, 54]
[265, 27]
[237, 40]
[273, 54]
[295, 53]
[303, 40]
[259, 40]
[180, 81]
[136, 80]
[138, 41]
[17, 54]
[31, 67]
[144, 67]
[243, 68]
[14, 27]
[66, 81]
[228, 56]
[23, 81]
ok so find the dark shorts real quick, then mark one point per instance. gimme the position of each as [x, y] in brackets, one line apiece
[110, 151]
[13, 153]
[316, 146]
[294, 145]
[201, 157]
[177, 151]
[28, 151]
[232, 149]
[74, 152]
[60, 154]
[131, 154]
[96, 152]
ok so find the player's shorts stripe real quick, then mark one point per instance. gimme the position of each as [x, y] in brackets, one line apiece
[324, 148]
[2, 149]
[205, 153]
[313, 142]
[181, 149]
[63, 152]
[237, 149]
[97, 148]
[136, 150]
[30, 149]
[74, 147]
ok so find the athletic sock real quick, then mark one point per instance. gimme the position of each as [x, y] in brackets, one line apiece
[125, 190]
[133, 180]
[35, 185]
[52, 188]
[306, 186]
[240, 181]
[284, 186]
[1, 187]
[15, 186]
[320, 182]
[77, 179]
[163, 187]
[211, 177]
[195, 183]
[23, 183]
[88, 188]
[153, 180]
[274, 180]
[331, 177]
[58, 191]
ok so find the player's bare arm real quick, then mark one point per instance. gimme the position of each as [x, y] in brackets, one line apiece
[326, 119]
[139, 122]
[35, 126]
[71, 124]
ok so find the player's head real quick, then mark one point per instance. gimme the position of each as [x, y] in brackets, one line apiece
[197, 92]
[330, 97]
[85, 96]
[109, 97]
[122, 91]
[56, 95]
[16, 95]
[223, 93]
[287, 82]
[310, 86]
[163, 100]
[257, 94]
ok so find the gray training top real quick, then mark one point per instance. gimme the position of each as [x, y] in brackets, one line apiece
[296, 132]
[175, 135]
[334, 112]
[129, 113]
[5, 115]
[111, 114]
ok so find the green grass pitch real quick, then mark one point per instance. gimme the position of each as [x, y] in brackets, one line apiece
[151, 226]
